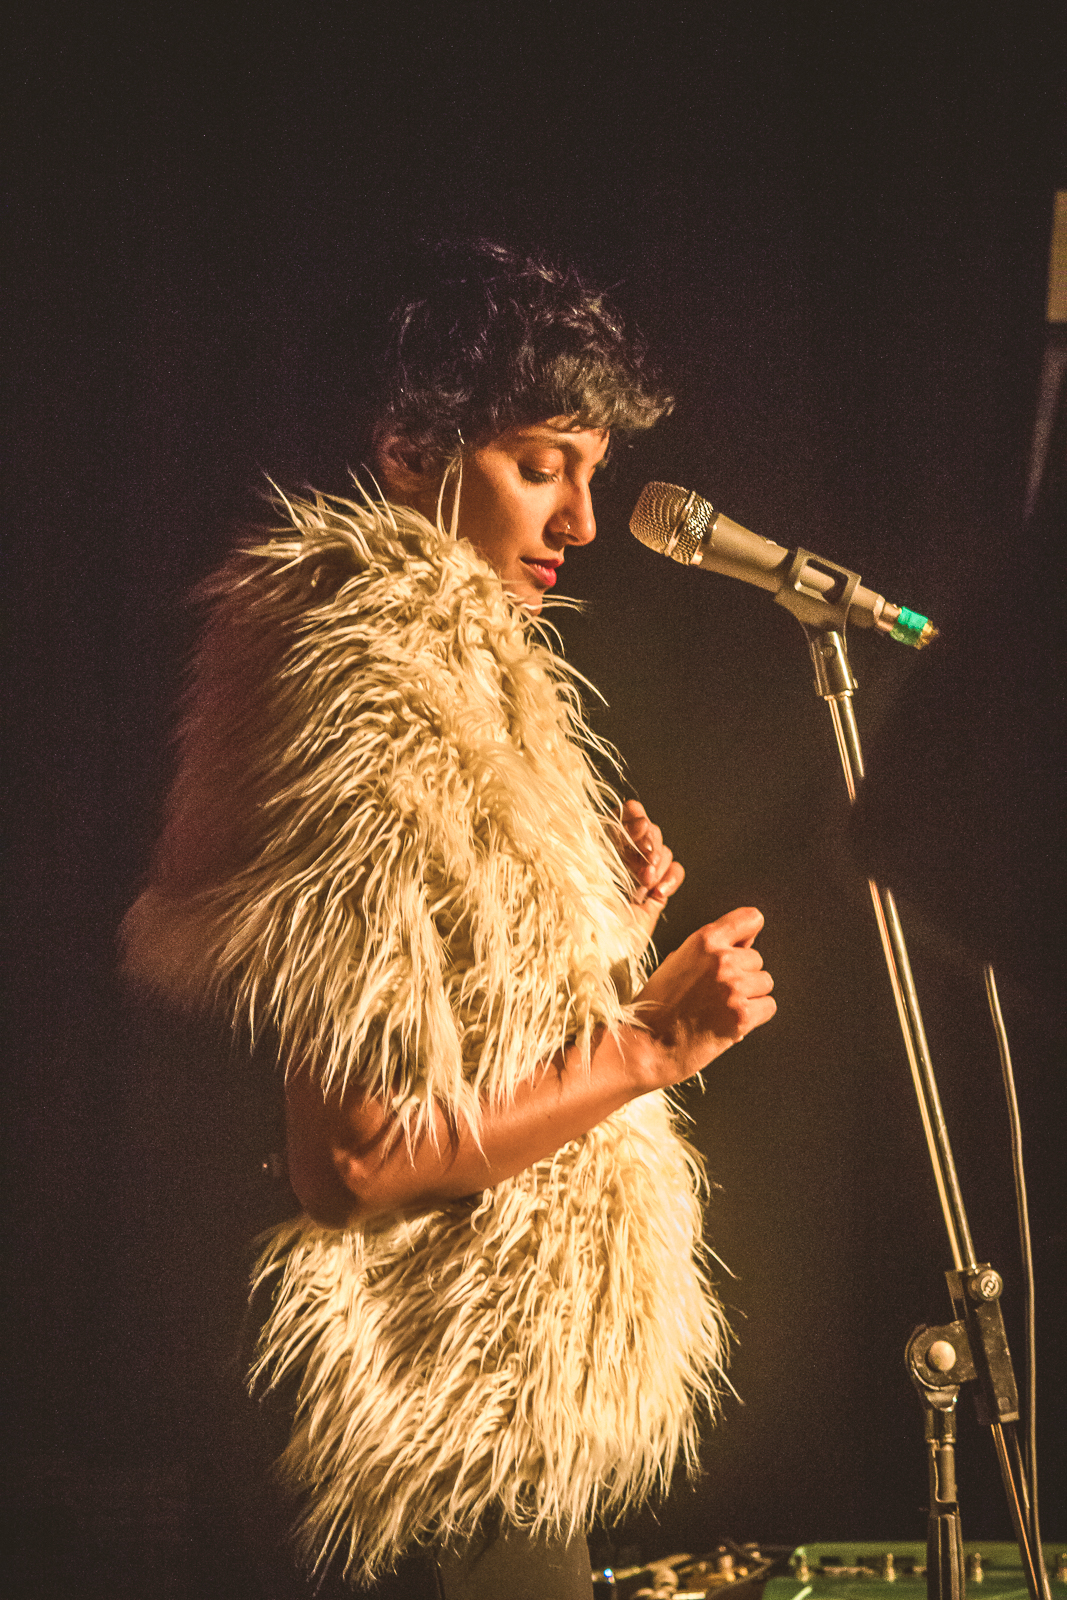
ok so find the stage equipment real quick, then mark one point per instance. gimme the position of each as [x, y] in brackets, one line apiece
[743, 1569]
[678, 523]
[877, 1569]
[973, 1347]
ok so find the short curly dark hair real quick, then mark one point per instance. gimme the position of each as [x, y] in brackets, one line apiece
[495, 340]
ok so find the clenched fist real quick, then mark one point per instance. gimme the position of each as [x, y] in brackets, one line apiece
[706, 995]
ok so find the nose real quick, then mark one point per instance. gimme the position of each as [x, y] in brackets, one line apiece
[574, 522]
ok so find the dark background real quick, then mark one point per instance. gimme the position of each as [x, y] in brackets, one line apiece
[832, 223]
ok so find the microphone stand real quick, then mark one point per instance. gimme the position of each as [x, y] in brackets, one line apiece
[973, 1347]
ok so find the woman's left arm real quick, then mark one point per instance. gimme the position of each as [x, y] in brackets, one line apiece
[346, 1162]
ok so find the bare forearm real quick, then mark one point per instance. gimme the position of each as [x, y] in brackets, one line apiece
[345, 1157]
[344, 1166]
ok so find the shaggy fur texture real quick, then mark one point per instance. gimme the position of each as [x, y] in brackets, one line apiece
[386, 840]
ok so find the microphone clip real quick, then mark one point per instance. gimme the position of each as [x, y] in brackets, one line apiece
[814, 606]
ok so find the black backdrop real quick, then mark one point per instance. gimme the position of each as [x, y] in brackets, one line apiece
[833, 225]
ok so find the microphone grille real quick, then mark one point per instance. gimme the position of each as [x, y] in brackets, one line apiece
[671, 520]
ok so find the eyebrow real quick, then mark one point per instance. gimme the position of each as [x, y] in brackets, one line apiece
[562, 438]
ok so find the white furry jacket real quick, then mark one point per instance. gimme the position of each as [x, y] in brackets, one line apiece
[386, 840]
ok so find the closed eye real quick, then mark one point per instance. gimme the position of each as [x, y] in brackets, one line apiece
[533, 476]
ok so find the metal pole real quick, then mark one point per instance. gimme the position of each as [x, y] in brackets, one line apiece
[835, 684]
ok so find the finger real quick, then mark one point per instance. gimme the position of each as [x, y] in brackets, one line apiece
[754, 984]
[739, 960]
[633, 812]
[670, 882]
[646, 857]
[761, 1011]
[659, 867]
[657, 856]
[754, 1014]
[737, 928]
[646, 837]
[636, 822]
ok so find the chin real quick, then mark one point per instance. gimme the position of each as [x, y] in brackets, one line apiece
[526, 596]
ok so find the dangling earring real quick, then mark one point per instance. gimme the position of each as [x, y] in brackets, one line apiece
[456, 466]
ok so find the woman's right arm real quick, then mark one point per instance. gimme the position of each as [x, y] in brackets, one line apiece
[345, 1162]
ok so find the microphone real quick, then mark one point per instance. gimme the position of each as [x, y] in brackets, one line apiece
[680, 524]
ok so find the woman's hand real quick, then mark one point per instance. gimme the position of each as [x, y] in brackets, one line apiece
[706, 995]
[655, 872]
[713, 989]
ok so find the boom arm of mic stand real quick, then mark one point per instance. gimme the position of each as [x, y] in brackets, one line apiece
[835, 684]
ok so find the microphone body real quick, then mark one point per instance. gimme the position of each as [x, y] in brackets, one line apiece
[680, 524]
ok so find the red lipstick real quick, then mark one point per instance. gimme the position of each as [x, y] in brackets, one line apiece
[543, 571]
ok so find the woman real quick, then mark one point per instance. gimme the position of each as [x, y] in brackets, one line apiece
[387, 844]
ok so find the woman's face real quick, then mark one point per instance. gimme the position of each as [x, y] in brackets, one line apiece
[524, 498]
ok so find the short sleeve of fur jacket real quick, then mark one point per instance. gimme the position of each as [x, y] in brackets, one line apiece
[386, 840]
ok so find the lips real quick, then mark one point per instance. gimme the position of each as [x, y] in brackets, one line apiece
[543, 571]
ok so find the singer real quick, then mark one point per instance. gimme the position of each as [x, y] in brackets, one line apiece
[387, 848]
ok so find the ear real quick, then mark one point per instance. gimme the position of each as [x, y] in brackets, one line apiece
[406, 474]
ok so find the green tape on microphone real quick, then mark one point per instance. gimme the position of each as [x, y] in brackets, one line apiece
[911, 628]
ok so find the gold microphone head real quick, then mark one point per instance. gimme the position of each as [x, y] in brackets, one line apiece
[671, 521]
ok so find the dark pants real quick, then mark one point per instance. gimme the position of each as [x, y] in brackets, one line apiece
[508, 1565]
